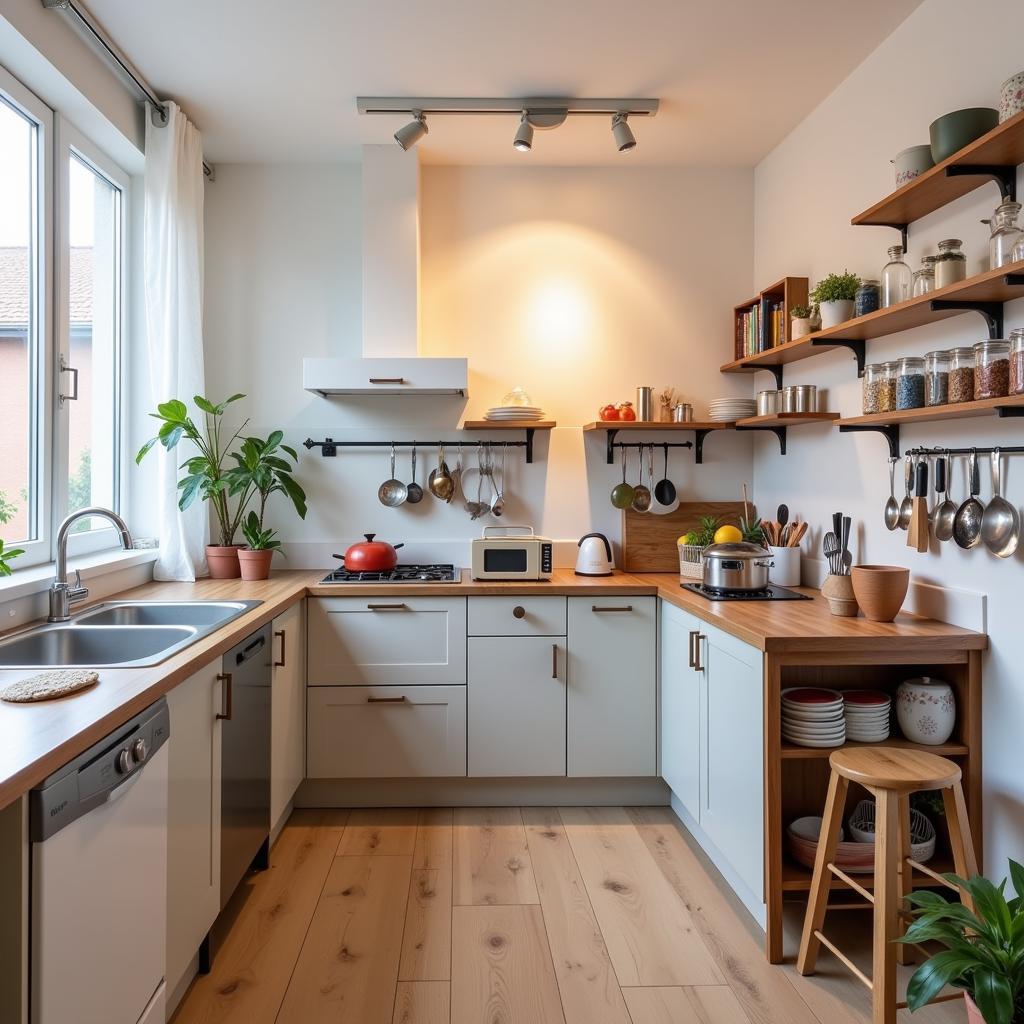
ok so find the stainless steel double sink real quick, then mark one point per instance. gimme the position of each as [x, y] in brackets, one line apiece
[120, 634]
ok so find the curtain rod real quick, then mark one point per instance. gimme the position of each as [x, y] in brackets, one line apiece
[117, 57]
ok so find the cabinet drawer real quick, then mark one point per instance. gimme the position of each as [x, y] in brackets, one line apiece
[386, 732]
[383, 641]
[517, 616]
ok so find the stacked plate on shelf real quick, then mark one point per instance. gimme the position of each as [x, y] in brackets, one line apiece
[725, 410]
[514, 412]
[867, 714]
[813, 717]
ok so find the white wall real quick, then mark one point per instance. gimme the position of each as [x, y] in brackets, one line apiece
[576, 283]
[947, 55]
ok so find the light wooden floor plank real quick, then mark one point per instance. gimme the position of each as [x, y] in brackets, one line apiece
[379, 832]
[427, 942]
[492, 859]
[422, 1002]
[348, 968]
[270, 916]
[648, 931]
[501, 967]
[705, 1004]
[586, 982]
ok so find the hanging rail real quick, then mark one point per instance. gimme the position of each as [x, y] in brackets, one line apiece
[329, 447]
[940, 450]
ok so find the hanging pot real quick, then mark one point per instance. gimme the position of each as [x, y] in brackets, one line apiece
[371, 555]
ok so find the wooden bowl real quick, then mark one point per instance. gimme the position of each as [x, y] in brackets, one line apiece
[880, 590]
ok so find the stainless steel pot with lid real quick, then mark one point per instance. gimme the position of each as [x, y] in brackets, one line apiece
[736, 566]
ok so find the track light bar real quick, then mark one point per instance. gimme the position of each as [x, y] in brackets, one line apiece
[472, 105]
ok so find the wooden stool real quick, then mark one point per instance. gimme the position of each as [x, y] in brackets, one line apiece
[890, 774]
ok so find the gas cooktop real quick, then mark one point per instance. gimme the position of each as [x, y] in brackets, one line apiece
[400, 574]
[769, 593]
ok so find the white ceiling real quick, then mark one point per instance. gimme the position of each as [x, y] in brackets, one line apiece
[268, 80]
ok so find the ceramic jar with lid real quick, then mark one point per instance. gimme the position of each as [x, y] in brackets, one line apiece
[1017, 361]
[951, 263]
[961, 375]
[910, 383]
[926, 710]
[991, 369]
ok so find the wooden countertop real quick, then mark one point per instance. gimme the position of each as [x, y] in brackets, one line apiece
[36, 739]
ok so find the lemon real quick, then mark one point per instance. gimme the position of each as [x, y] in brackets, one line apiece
[727, 535]
[685, 539]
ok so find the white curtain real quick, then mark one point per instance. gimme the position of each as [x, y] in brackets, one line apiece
[173, 272]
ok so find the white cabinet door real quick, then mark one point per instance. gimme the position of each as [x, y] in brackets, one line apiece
[382, 732]
[381, 641]
[193, 817]
[680, 708]
[516, 616]
[612, 687]
[288, 709]
[732, 810]
[516, 706]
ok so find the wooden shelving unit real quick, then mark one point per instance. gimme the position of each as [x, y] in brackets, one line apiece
[1013, 405]
[653, 426]
[797, 878]
[786, 419]
[789, 292]
[793, 752]
[509, 425]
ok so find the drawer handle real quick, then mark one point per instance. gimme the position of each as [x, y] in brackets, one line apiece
[225, 713]
[387, 607]
[385, 700]
[519, 612]
[611, 608]
[554, 661]
[697, 666]
[387, 380]
[280, 633]
[694, 633]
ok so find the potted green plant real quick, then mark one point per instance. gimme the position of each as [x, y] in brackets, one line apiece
[206, 473]
[7, 555]
[799, 321]
[984, 948]
[834, 295]
[254, 561]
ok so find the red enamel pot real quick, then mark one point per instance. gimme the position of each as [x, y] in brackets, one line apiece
[371, 555]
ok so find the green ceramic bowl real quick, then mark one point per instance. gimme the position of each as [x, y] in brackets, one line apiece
[953, 131]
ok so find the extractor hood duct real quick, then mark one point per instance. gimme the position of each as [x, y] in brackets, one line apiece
[390, 364]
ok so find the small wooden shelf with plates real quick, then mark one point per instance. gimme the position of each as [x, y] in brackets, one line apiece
[528, 426]
[700, 428]
[792, 752]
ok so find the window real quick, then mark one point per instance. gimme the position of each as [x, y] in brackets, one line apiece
[61, 322]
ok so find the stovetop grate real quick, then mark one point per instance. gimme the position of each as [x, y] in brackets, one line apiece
[434, 573]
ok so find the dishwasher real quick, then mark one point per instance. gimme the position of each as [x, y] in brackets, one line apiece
[98, 829]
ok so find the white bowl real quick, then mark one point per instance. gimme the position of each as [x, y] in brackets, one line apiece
[809, 828]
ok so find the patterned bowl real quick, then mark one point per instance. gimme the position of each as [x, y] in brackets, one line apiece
[1011, 97]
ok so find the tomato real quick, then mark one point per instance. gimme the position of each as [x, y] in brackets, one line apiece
[627, 412]
[609, 412]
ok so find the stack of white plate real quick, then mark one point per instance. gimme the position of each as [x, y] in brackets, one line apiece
[867, 715]
[723, 410]
[515, 412]
[813, 717]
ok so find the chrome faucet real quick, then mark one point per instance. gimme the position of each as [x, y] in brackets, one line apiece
[62, 594]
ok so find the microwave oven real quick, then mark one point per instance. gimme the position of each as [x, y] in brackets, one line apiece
[511, 553]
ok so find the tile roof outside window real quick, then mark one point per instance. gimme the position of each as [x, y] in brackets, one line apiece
[14, 286]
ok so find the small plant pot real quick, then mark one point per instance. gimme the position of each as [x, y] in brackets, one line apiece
[223, 561]
[255, 565]
[799, 326]
[881, 590]
[973, 1013]
[836, 312]
[838, 592]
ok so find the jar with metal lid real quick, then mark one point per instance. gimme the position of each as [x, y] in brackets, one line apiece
[896, 278]
[768, 403]
[991, 369]
[1017, 361]
[867, 299]
[887, 387]
[961, 375]
[951, 263]
[1005, 233]
[871, 388]
[910, 383]
[936, 378]
[924, 281]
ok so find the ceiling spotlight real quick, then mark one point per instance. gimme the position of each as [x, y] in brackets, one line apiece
[524, 135]
[625, 140]
[408, 135]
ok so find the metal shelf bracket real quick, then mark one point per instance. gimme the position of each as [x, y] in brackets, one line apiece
[698, 451]
[775, 370]
[1013, 280]
[903, 229]
[891, 432]
[1010, 411]
[991, 311]
[1004, 177]
[858, 348]
[612, 432]
[779, 432]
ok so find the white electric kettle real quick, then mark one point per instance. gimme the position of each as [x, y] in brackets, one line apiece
[595, 556]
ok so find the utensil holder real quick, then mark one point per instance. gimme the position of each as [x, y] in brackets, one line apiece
[691, 561]
[786, 571]
[838, 592]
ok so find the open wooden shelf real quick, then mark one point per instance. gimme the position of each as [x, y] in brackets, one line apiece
[994, 286]
[793, 752]
[934, 413]
[1001, 147]
[788, 419]
[509, 425]
[653, 426]
[797, 878]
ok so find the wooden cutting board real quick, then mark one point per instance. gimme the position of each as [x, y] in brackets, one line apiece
[649, 541]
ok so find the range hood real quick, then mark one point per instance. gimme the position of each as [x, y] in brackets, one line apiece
[390, 363]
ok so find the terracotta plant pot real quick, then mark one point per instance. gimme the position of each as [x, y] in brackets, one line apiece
[838, 591]
[973, 1013]
[255, 565]
[223, 561]
[880, 590]
[799, 326]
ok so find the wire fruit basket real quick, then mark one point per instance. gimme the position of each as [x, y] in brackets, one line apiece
[691, 561]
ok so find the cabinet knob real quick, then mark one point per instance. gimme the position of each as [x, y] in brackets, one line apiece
[519, 612]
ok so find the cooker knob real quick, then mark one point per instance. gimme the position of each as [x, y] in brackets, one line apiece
[139, 750]
[124, 762]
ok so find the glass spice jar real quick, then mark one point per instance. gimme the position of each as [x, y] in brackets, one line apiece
[910, 383]
[887, 388]
[1005, 233]
[924, 281]
[936, 378]
[871, 388]
[1017, 361]
[961, 375]
[896, 278]
[867, 299]
[991, 369]
[951, 263]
